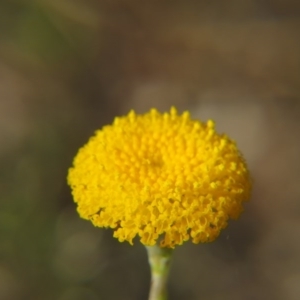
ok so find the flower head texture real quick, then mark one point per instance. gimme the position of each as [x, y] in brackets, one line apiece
[161, 176]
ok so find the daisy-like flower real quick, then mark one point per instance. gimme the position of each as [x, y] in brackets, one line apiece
[163, 177]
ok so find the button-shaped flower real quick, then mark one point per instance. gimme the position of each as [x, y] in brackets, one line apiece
[164, 177]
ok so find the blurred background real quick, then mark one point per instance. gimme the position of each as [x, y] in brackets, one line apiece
[67, 67]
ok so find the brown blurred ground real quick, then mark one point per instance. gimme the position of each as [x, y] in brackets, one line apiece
[69, 67]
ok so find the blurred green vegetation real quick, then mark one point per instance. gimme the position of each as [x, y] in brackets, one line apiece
[46, 251]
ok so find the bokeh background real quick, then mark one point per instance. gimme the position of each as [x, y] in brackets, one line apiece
[69, 67]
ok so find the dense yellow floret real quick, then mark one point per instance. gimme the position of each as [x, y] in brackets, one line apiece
[164, 177]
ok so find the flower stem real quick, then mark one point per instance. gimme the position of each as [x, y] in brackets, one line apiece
[159, 260]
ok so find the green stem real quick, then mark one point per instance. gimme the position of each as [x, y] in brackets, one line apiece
[159, 260]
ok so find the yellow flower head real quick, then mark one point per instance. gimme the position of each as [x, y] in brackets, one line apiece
[163, 177]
